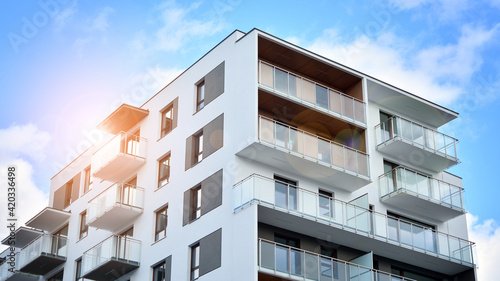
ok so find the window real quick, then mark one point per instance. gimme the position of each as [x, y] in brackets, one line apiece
[161, 224]
[87, 180]
[67, 197]
[57, 277]
[159, 272]
[328, 269]
[196, 201]
[285, 193]
[84, 228]
[288, 260]
[200, 95]
[202, 198]
[204, 142]
[164, 170]
[198, 147]
[326, 203]
[78, 274]
[195, 261]
[167, 120]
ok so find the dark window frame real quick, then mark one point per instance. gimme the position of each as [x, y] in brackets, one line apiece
[165, 222]
[195, 261]
[166, 177]
[198, 147]
[167, 123]
[87, 179]
[200, 95]
[196, 202]
[84, 227]
[161, 266]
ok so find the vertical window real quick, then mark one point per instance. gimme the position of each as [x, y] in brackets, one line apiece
[288, 259]
[198, 147]
[67, 196]
[84, 228]
[164, 171]
[78, 273]
[167, 120]
[159, 272]
[325, 203]
[195, 261]
[200, 95]
[285, 193]
[196, 201]
[161, 224]
[87, 181]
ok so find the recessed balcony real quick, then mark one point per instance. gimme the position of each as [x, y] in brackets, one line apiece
[326, 218]
[278, 261]
[416, 144]
[111, 259]
[43, 254]
[116, 206]
[292, 149]
[422, 195]
[311, 94]
[120, 157]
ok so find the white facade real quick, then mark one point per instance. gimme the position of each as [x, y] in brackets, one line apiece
[250, 158]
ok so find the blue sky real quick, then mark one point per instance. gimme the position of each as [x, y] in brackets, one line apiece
[67, 64]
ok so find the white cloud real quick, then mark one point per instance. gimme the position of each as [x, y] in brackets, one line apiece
[486, 235]
[25, 140]
[17, 143]
[62, 18]
[179, 28]
[437, 73]
[444, 9]
[101, 22]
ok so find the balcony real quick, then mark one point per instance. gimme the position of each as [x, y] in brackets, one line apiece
[319, 97]
[289, 148]
[23, 236]
[312, 214]
[7, 273]
[112, 258]
[119, 158]
[116, 206]
[422, 195]
[43, 254]
[296, 264]
[415, 144]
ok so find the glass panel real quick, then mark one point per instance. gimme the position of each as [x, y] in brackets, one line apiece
[392, 227]
[308, 91]
[348, 107]
[292, 198]
[293, 83]
[324, 151]
[406, 233]
[363, 164]
[351, 163]
[418, 237]
[405, 129]
[267, 255]
[430, 240]
[295, 262]
[281, 81]
[418, 134]
[293, 141]
[312, 266]
[266, 75]
[325, 206]
[321, 97]
[335, 102]
[281, 194]
[337, 155]
[359, 111]
[444, 249]
[281, 135]
[282, 254]
[310, 146]
[266, 130]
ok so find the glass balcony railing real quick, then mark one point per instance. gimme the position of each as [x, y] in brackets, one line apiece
[122, 144]
[306, 204]
[298, 264]
[417, 135]
[311, 93]
[405, 180]
[312, 147]
[115, 247]
[47, 245]
[117, 195]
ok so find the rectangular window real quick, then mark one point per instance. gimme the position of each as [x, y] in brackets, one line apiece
[67, 197]
[195, 261]
[164, 170]
[326, 203]
[198, 147]
[59, 240]
[167, 120]
[87, 180]
[78, 273]
[328, 269]
[285, 193]
[287, 259]
[196, 201]
[159, 272]
[200, 95]
[84, 228]
[161, 224]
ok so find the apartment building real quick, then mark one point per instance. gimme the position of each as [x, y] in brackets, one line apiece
[262, 161]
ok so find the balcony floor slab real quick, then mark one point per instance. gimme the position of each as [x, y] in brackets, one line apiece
[116, 217]
[120, 167]
[111, 270]
[308, 167]
[43, 264]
